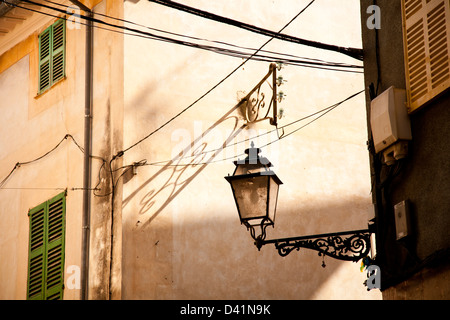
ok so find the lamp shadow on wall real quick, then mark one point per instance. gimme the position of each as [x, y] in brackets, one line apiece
[229, 266]
[177, 173]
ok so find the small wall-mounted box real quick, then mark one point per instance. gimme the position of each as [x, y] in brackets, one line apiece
[402, 219]
[389, 118]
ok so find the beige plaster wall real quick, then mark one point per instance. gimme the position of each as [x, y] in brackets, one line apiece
[31, 126]
[181, 235]
[176, 231]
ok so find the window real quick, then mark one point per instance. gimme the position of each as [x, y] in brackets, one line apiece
[46, 250]
[426, 34]
[52, 44]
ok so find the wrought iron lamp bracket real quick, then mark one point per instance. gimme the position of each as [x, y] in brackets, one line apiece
[347, 246]
[253, 103]
[262, 226]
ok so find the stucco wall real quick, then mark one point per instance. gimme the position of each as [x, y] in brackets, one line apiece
[31, 126]
[176, 230]
[181, 235]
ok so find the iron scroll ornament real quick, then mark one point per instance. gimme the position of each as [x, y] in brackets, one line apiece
[254, 102]
[347, 246]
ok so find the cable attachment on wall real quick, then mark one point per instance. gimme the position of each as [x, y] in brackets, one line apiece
[281, 95]
[280, 65]
[137, 164]
[280, 81]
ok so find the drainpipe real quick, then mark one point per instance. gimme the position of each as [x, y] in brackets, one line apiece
[87, 153]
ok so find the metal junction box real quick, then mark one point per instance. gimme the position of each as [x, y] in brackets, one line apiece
[389, 118]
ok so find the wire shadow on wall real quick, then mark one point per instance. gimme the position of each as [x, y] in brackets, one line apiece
[177, 174]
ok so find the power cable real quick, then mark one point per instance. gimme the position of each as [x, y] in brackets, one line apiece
[352, 52]
[143, 162]
[19, 164]
[248, 58]
[285, 58]
[320, 114]
[119, 154]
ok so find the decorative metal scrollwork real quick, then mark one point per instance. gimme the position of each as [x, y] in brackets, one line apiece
[254, 102]
[262, 235]
[253, 105]
[348, 246]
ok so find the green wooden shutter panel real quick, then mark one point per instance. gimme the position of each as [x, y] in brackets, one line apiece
[36, 253]
[58, 45]
[46, 254]
[55, 248]
[55, 220]
[44, 59]
[36, 277]
[52, 44]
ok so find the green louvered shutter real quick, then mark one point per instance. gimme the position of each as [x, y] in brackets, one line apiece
[58, 52]
[36, 253]
[44, 59]
[46, 255]
[55, 247]
[52, 44]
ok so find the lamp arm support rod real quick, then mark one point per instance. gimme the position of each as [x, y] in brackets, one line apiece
[314, 236]
[347, 245]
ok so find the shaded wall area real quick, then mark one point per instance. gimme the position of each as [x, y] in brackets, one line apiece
[423, 178]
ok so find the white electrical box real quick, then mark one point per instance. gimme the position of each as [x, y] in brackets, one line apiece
[402, 219]
[389, 118]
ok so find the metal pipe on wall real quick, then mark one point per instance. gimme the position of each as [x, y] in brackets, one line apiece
[87, 165]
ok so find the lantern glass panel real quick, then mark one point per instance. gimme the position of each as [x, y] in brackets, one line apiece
[251, 196]
[273, 196]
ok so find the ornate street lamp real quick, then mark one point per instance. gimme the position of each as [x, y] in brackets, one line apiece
[255, 190]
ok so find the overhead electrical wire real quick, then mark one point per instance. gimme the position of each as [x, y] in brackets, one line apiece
[352, 52]
[269, 56]
[287, 59]
[320, 114]
[255, 54]
[213, 87]
[19, 164]
[97, 20]
[100, 21]
[143, 162]
[120, 153]
[349, 51]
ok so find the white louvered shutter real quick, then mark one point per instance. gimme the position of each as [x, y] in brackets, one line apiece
[426, 35]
